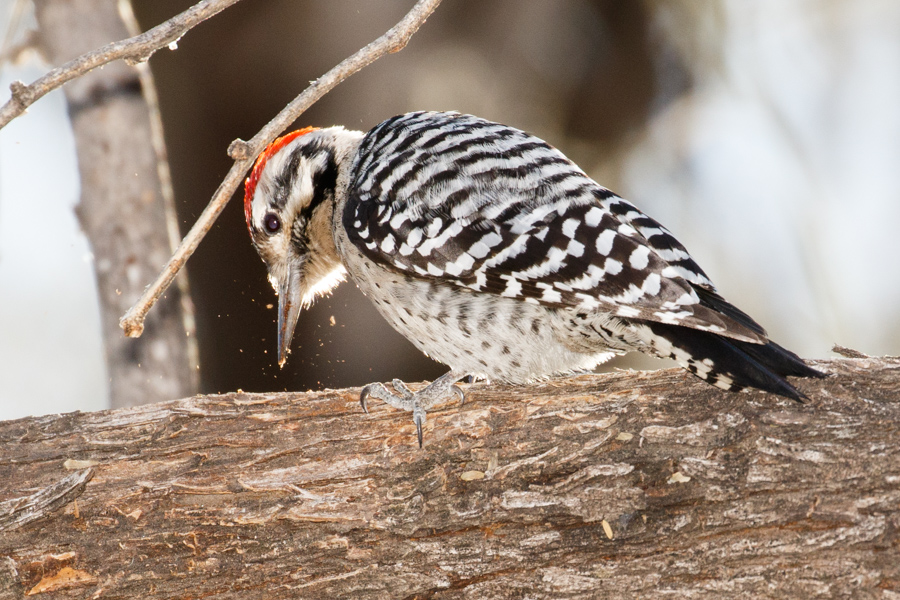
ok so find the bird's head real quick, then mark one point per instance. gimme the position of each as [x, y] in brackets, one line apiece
[288, 202]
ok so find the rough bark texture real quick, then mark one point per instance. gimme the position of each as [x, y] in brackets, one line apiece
[625, 485]
[122, 209]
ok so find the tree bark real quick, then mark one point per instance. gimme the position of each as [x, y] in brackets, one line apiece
[122, 208]
[625, 485]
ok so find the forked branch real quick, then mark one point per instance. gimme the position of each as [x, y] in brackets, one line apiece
[133, 50]
[243, 153]
[139, 48]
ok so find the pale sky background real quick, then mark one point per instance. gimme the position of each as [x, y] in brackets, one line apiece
[788, 148]
[50, 346]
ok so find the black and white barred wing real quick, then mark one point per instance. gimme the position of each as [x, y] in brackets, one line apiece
[495, 210]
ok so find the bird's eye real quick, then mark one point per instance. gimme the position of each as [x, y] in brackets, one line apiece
[272, 222]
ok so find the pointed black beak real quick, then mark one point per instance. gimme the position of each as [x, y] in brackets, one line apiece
[289, 301]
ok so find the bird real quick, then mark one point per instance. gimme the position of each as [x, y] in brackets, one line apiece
[494, 254]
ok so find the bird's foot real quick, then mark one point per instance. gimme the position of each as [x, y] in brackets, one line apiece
[415, 402]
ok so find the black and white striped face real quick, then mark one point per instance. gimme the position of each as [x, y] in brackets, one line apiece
[288, 203]
[291, 179]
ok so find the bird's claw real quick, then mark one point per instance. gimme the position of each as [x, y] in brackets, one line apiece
[459, 392]
[363, 396]
[416, 402]
[419, 420]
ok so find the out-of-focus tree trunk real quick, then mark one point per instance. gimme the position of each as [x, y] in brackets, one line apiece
[123, 209]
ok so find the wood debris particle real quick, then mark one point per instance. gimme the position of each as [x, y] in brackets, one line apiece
[677, 477]
[64, 578]
[607, 529]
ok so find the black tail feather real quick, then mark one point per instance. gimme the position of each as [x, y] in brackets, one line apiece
[761, 366]
[719, 304]
[778, 359]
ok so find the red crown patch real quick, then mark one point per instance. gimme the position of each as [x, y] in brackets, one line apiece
[271, 150]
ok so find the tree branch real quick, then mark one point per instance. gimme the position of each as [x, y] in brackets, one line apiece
[244, 153]
[133, 50]
[630, 484]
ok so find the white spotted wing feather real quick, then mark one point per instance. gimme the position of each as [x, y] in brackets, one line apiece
[497, 211]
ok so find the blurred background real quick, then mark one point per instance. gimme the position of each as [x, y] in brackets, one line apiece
[765, 135]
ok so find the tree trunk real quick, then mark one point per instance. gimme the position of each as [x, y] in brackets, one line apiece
[122, 209]
[624, 485]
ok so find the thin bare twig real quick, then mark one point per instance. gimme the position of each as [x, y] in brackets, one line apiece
[244, 153]
[134, 50]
